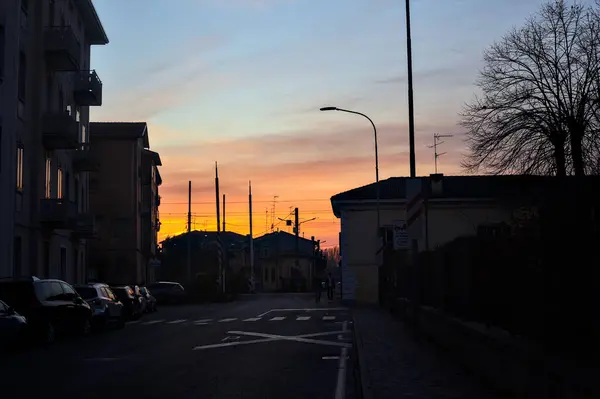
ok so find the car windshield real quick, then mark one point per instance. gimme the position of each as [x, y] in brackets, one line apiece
[86, 292]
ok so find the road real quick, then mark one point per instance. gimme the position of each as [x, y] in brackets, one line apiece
[261, 346]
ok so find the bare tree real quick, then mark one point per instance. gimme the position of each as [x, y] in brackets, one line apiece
[539, 101]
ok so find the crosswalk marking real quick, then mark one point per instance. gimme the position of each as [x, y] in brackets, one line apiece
[303, 318]
[328, 317]
[277, 318]
[203, 321]
[152, 322]
[253, 319]
[227, 320]
[176, 321]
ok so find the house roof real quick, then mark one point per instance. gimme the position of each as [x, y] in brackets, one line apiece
[454, 187]
[277, 234]
[94, 31]
[153, 155]
[120, 131]
[228, 236]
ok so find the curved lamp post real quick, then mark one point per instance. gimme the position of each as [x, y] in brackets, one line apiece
[376, 158]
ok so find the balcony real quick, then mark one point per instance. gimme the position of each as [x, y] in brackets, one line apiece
[61, 131]
[84, 226]
[62, 48]
[87, 89]
[57, 213]
[84, 160]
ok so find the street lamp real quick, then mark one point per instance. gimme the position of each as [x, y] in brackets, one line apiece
[376, 158]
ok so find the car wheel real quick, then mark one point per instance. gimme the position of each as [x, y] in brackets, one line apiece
[49, 334]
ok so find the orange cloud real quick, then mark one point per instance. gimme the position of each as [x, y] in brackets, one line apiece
[303, 168]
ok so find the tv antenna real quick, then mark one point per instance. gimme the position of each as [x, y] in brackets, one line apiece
[273, 212]
[437, 141]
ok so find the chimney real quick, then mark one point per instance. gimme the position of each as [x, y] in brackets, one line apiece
[436, 184]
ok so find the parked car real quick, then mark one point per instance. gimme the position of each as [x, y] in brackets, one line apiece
[106, 307]
[168, 292]
[12, 326]
[51, 307]
[131, 303]
[150, 300]
[141, 298]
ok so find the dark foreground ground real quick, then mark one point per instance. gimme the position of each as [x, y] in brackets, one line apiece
[259, 347]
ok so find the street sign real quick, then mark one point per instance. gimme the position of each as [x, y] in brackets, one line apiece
[400, 235]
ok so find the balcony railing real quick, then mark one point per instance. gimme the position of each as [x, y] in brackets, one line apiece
[57, 213]
[87, 89]
[62, 48]
[84, 226]
[84, 159]
[61, 131]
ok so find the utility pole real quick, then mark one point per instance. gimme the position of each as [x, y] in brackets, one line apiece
[273, 213]
[219, 242]
[411, 103]
[436, 142]
[223, 212]
[189, 233]
[266, 220]
[251, 238]
[297, 232]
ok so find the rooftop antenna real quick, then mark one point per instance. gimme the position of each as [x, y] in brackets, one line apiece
[273, 213]
[437, 141]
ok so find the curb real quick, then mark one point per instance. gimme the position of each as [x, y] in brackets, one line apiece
[363, 380]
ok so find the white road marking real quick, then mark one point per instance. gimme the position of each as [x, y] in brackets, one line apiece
[230, 338]
[199, 323]
[328, 317]
[176, 321]
[227, 320]
[152, 322]
[102, 359]
[257, 341]
[277, 318]
[253, 319]
[203, 320]
[303, 318]
[300, 310]
[292, 338]
[330, 357]
[340, 389]
[134, 322]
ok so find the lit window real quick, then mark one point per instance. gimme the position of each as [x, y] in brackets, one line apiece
[59, 183]
[48, 187]
[20, 151]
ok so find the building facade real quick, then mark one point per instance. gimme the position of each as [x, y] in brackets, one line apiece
[284, 262]
[46, 89]
[126, 209]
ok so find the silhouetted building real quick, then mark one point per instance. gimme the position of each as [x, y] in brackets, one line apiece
[283, 265]
[204, 255]
[126, 209]
[46, 89]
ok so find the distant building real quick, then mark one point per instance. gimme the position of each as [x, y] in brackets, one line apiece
[124, 197]
[203, 255]
[46, 88]
[284, 262]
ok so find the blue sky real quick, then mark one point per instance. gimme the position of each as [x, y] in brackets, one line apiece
[240, 81]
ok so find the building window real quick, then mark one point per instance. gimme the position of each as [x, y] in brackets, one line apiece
[63, 263]
[59, 183]
[61, 100]
[67, 186]
[20, 160]
[48, 180]
[2, 49]
[22, 76]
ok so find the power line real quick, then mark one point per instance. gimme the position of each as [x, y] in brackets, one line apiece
[246, 202]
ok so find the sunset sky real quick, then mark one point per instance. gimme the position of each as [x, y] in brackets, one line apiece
[241, 81]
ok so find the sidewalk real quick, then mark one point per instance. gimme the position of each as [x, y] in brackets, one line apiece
[395, 364]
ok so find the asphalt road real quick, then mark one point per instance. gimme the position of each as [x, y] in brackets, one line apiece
[259, 347]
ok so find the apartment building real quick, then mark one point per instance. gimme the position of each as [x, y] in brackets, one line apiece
[46, 89]
[124, 198]
[151, 180]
